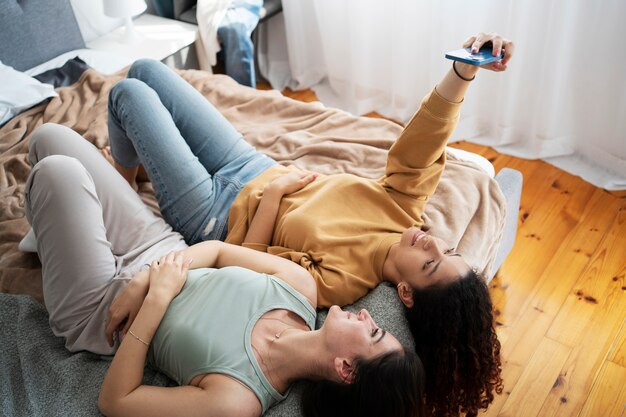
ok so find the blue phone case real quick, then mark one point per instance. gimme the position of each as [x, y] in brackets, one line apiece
[483, 56]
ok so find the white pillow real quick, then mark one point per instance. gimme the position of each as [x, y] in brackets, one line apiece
[19, 92]
[102, 61]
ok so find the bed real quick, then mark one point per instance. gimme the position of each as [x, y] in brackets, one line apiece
[471, 209]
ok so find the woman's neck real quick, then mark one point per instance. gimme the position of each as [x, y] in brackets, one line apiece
[297, 354]
[390, 273]
[287, 350]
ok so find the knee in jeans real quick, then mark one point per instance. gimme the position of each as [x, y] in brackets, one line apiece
[128, 90]
[140, 68]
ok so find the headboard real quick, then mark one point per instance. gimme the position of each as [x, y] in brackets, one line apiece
[34, 31]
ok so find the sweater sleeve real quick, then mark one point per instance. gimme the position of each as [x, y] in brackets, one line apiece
[334, 285]
[417, 158]
[261, 247]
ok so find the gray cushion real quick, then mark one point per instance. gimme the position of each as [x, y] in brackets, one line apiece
[34, 31]
[510, 182]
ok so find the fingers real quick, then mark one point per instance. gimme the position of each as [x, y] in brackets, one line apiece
[109, 329]
[185, 267]
[185, 261]
[167, 258]
[293, 181]
[300, 175]
[127, 326]
[129, 320]
[302, 181]
[171, 257]
[496, 49]
[497, 67]
[479, 41]
[498, 45]
[308, 178]
[113, 322]
[482, 38]
[175, 260]
[509, 49]
[469, 41]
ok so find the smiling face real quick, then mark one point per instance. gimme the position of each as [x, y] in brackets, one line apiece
[421, 260]
[351, 336]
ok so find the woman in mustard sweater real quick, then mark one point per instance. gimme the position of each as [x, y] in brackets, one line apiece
[350, 233]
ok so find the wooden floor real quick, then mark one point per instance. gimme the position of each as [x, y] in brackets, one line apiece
[560, 297]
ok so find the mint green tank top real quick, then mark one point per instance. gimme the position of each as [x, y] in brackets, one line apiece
[207, 327]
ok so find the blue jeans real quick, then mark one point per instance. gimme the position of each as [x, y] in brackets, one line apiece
[234, 33]
[197, 162]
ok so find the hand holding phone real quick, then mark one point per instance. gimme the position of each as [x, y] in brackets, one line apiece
[482, 57]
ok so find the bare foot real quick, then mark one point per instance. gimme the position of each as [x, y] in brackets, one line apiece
[129, 174]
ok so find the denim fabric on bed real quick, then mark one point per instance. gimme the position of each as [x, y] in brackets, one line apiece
[66, 75]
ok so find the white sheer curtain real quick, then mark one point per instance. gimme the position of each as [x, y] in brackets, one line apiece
[563, 98]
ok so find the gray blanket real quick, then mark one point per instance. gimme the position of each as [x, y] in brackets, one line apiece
[39, 377]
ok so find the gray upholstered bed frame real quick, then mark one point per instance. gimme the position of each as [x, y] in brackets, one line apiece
[35, 31]
[510, 182]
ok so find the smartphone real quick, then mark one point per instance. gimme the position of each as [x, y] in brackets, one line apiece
[482, 57]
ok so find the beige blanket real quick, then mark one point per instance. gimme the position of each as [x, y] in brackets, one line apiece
[467, 210]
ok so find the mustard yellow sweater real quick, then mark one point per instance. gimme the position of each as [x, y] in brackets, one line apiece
[340, 227]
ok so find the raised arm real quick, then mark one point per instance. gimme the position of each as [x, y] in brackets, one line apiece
[453, 87]
[416, 160]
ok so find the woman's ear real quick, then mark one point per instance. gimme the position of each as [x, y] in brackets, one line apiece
[344, 370]
[405, 292]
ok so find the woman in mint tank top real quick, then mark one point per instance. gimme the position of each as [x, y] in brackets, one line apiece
[236, 337]
[235, 331]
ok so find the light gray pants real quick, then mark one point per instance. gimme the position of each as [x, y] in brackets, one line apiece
[93, 234]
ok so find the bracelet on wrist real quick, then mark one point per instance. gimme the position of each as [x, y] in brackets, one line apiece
[138, 338]
[459, 75]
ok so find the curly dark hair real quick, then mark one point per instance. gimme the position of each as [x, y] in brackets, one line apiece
[390, 385]
[453, 328]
